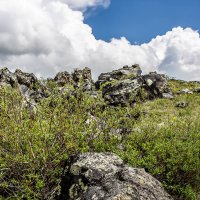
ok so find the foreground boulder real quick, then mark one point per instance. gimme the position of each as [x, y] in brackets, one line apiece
[104, 176]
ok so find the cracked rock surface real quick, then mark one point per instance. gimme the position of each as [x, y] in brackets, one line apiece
[104, 176]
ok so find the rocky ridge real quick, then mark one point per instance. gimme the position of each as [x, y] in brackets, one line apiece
[119, 87]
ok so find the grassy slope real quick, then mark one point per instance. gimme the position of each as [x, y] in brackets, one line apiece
[155, 135]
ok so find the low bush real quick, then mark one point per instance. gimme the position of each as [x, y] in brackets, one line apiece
[154, 135]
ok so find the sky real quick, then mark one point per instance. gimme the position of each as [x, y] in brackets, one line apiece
[141, 20]
[48, 36]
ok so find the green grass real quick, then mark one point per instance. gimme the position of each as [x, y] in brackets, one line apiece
[154, 135]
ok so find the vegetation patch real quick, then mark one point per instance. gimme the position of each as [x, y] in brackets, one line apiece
[155, 135]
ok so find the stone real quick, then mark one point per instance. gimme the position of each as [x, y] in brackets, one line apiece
[167, 96]
[79, 78]
[81, 75]
[197, 90]
[119, 74]
[27, 79]
[63, 78]
[86, 74]
[182, 104]
[155, 84]
[185, 91]
[133, 89]
[123, 87]
[104, 176]
[88, 85]
[7, 77]
[31, 89]
[121, 92]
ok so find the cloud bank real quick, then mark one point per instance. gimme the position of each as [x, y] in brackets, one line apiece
[84, 4]
[47, 36]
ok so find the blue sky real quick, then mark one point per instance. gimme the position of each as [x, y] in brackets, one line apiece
[141, 20]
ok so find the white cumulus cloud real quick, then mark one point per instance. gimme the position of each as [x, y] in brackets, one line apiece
[47, 36]
[83, 4]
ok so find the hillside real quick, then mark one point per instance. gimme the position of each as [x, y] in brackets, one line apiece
[149, 121]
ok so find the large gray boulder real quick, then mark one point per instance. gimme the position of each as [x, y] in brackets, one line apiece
[121, 92]
[104, 176]
[132, 88]
[119, 74]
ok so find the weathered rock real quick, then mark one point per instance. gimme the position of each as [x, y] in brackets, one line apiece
[121, 92]
[63, 78]
[79, 78]
[167, 96]
[7, 77]
[182, 104]
[185, 91]
[29, 86]
[27, 79]
[119, 74]
[197, 90]
[155, 84]
[121, 87]
[104, 176]
[79, 75]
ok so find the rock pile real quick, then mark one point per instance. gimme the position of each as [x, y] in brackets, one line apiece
[30, 87]
[125, 85]
[119, 74]
[104, 176]
[76, 78]
[119, 87]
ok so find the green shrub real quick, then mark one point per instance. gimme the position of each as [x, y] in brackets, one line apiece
[155, 135]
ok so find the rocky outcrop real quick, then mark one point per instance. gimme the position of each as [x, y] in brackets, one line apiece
[63, 78]
[121, 92]
[119, 74]
[128, 90]
[7, 77]
[27, 83]
[28, 79]
[156, 85]
[79, 78]
[119, 87]
[104, 176]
